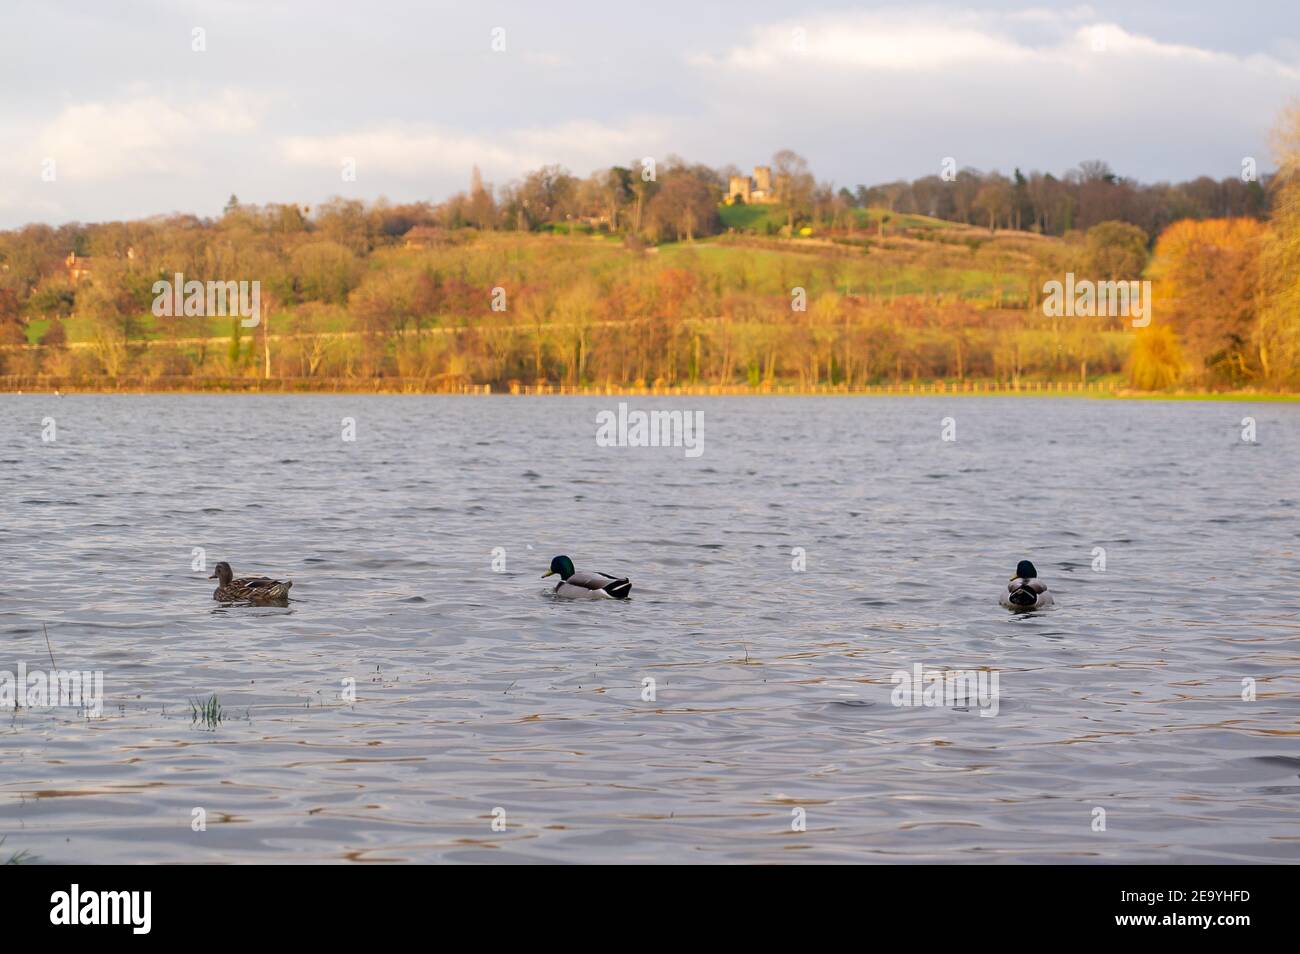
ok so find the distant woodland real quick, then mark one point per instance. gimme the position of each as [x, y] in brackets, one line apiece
[626, 278]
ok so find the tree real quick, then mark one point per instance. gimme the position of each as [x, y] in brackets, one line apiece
[1116, 251]
[481, 208]
[993, 201]
[546, 195]
[794, 184]
[12, 331]
[110, 304]
[1206, 275]
[393, 300]
[1277, 338]
[345, 222]
[685, 205]
[8, 305]
[1156, 362]
[616, 188]
[323, 271]
[55, 336]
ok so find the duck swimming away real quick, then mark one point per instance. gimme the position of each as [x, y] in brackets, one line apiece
[249, 589]
[1026, 591]
[586, 585]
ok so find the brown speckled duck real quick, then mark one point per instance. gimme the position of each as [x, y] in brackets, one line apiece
[249, 589]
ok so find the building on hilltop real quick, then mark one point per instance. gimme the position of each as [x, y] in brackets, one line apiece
[752, 190]
[78, 267]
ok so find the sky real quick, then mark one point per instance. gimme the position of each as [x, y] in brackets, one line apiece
[110, 110]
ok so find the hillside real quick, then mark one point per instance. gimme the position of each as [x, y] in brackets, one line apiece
[877, 299]
[925, 301]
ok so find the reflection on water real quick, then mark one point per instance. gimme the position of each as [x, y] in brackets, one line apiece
[408, 691]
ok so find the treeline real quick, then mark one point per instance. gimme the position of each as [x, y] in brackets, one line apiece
[559, 279]
[681, 199]
[1081, 198]
[498, 309]
[653, 327]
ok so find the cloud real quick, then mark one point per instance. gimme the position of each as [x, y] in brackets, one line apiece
[94, 147]
[884, 94]
[884, 41]
[1036, 41]
[867, 96]
[412, 150]
[101, 140]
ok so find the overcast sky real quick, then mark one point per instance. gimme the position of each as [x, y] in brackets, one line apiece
[138, 123]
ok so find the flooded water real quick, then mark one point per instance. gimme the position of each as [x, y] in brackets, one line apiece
[1152, 715]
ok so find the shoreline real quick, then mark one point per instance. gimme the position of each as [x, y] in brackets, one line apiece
[1095, 390]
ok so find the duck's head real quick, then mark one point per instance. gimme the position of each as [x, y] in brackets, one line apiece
[561, 565]
[1025, 570]
[223, 573]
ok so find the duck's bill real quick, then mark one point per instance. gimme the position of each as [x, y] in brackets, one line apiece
[213, 576]
[548, 573]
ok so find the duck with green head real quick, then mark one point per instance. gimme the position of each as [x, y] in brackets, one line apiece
[586, 584]
[1026, 591]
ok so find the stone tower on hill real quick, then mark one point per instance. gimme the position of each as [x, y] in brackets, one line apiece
[752, 190]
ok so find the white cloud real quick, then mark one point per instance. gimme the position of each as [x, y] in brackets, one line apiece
[936, 39]
[137, 138]
[873, 95]
[886, 41]
[101, 140]
[413, 150]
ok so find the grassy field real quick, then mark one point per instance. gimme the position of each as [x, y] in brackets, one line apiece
[995, 273]
[847, 312]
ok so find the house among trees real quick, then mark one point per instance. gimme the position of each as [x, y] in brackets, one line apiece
[752, 190]
[78, 267]
[426, 236]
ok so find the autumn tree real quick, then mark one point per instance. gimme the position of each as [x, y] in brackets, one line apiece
[794, 184]
[1156, 361]
[481, 208]
[1206, 275]
[393, 300]
[1278, 335]
[1116, 251]
[324, 271]
[993, 201]
[546, 195]
[684, 205]
[11, 327]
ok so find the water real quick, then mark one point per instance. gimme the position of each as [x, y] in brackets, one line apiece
[476, 691]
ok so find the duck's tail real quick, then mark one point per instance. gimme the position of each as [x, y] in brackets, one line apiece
[280, 591]
[1023, 597]
[619, 589]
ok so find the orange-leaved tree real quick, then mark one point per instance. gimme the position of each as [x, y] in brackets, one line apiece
[1277, 337]
[1206, 276]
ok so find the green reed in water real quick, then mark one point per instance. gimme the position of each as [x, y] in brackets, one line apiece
[208, 711]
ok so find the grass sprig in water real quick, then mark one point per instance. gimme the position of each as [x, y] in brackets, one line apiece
[18, 857]
[208, 711]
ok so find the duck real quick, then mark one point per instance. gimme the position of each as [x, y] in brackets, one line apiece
[1026, 591]
[248, 589]
[586, 585]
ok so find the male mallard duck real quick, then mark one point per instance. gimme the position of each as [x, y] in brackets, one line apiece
[1026, 591]
[586, 585]
[249, 589]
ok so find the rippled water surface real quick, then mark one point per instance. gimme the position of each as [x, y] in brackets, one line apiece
[477, 691]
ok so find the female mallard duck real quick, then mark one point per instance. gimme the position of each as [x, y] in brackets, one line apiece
[586, 585]
[249, 589]
[1026, 591]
